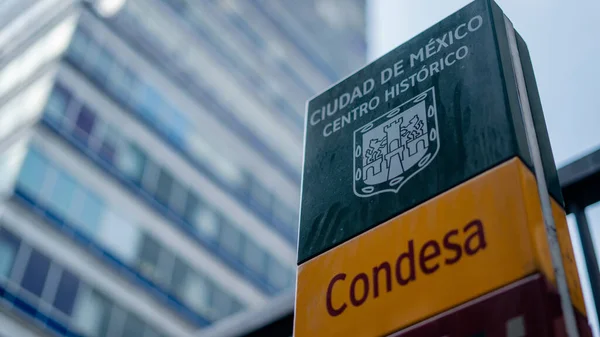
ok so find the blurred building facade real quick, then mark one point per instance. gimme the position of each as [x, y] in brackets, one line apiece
[150, 157]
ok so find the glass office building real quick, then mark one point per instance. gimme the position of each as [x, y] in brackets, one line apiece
[150, 157]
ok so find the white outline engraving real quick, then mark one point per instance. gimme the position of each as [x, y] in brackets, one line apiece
[393, 148]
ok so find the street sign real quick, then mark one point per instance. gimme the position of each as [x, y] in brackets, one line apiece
[431, 114]
[527, 307]
[477, 237]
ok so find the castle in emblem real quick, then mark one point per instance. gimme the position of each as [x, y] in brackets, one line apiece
[395, 146]
[402, 145]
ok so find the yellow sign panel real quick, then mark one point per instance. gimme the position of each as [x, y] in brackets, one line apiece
[475, 238]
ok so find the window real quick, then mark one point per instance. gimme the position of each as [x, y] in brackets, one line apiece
[227, 171]
[192, 205]
[207, 223]
[131, 161]
[196, 292]
[179, 275]
[254, 257]
[149, 102]
[89, 217]
[45, 193]
[230, 239]
[221, 303]
[35, 274]
[259, 194]
[119, 235]
[291, 278]
[164, 270]
[282, 213]
[9, 246]
[177, 199]
[150, 178]
[125, 85]
[179, 124]
[92, 315]
[31, 177]
[71, 114]
[114, 76]
[79, 46]
[103, 64]
[56, 107]
[133, 326]
[98, 134]
[277, 275]
[236, 306]
[92, 50]
[66, 292]
[62, 193]
[163, 187]
[148, 255]
[108, 145]
[84, 124]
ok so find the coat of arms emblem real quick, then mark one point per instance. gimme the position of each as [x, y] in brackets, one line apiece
[391, 149]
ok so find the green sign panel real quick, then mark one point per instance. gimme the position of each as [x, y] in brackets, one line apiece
[429, 115]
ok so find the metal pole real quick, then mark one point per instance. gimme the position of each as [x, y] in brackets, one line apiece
[589, 255]
[534, 151]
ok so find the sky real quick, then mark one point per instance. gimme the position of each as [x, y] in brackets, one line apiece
[562, 37]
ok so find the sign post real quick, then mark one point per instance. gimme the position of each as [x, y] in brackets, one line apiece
[429, 181]
[534, 151]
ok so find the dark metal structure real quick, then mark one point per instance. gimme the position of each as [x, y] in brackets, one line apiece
[580, 182]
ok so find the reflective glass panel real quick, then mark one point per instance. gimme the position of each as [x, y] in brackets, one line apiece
[93, 314]
[63, 192]
[9, 246]
[133, 326]
[36, 272]
[148, 255]
[56, 107]
[131, 161]
[230, 238]
[119, 235]
[66, 292]
[254, 257]
[90, 217]
[33, 172]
